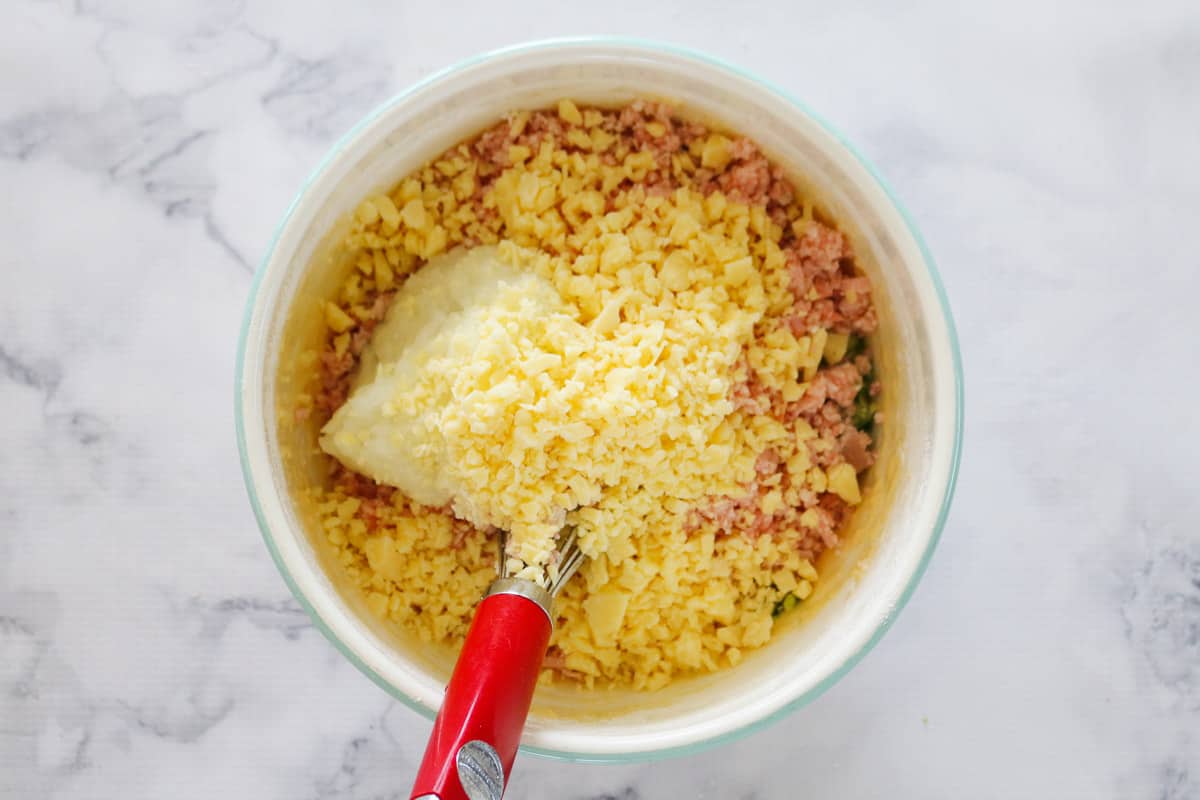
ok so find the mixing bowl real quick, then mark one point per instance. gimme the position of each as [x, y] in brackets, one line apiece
[907, 493]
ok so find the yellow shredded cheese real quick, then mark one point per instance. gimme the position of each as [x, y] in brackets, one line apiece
[585, 381]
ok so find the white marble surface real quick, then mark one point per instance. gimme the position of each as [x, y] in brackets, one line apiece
[1051, 153]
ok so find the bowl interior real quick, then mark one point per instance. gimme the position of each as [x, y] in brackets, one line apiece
[863, 582]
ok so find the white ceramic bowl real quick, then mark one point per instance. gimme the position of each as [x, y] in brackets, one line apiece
[864, 583]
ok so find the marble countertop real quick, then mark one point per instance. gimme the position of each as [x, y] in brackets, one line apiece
[1051, 154]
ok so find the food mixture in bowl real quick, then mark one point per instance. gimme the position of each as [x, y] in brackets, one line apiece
[618, 321]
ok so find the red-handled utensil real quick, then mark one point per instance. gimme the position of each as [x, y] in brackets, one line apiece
[475, 736]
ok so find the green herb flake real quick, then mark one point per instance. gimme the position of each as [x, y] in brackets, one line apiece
[785, 604]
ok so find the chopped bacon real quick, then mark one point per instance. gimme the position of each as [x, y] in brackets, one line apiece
[855, 450]
[460, 529]
[767, 463]
[828, 294]
[839, 384]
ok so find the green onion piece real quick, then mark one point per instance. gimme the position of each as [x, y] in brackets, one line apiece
[785, 603]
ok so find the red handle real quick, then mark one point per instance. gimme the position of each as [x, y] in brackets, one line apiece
[489, 694]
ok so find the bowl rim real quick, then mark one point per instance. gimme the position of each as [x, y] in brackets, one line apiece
[651, 47]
